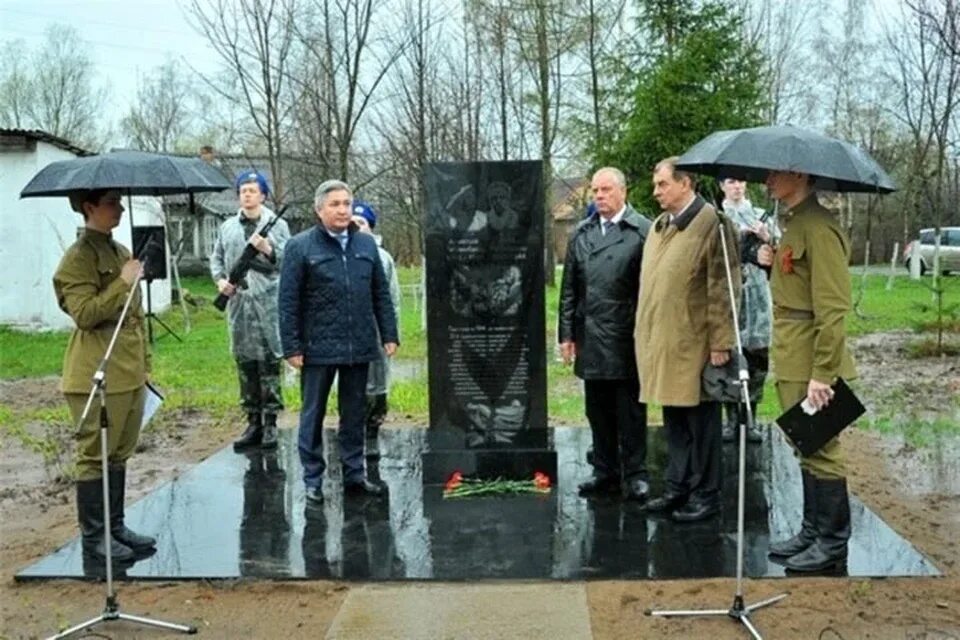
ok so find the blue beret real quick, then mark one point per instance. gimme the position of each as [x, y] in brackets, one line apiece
[253, 176]
[364, 210]
[591, 209]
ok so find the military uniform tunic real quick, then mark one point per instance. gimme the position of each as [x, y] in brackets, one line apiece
[89, 289]
[810, 287]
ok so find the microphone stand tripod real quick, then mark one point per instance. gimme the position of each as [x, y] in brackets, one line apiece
[738, 610]
[111, 610]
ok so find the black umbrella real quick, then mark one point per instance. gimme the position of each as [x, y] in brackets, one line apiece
[132, 172]
[750, 154]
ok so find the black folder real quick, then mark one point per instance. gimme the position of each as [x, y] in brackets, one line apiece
[809, 433]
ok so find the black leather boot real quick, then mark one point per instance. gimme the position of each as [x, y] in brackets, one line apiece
[119, 531]
[833, 529]
[253, 434]
[376, 414]
[269, 439]
[90, 517]
[599, 485]
[808, 529]
[731, 422]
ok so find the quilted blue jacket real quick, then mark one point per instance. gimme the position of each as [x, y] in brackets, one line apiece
[332, 301]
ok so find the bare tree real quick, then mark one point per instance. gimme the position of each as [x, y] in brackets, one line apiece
[602, 17]
[55, 90]
[926, 70]
[161, 119]
[219, 122]
[777, 27]
[407, 125]
[14, 85]
[545, 32]
[351, 63]
[431, 114]
[255, 40]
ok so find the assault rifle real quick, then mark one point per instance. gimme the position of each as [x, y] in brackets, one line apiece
[750, 243]
[238, 273]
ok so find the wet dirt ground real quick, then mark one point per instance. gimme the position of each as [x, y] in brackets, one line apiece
[914, 488]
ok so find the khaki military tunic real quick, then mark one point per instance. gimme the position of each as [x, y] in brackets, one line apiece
[89, 289]
[810, 287]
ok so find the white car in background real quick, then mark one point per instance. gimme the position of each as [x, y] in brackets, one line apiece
[949, 250]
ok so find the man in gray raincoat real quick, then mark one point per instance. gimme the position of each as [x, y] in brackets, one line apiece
[252, 311]
[378, 375]
[755, 310]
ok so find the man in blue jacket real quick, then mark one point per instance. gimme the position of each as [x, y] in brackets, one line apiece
[334, 298]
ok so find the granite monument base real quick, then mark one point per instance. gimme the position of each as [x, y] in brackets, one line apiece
[513, 456]
[235, 516]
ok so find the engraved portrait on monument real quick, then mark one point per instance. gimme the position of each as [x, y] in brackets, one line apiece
[485, 300]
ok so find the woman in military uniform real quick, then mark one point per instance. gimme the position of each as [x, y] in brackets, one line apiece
[810, 287]
[92, 283]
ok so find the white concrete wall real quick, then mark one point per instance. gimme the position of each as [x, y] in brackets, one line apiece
[35, 232]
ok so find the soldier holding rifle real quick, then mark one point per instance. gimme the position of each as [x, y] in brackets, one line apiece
[252, 309]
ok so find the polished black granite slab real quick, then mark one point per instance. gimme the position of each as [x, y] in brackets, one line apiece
[244, 515]
[486, 322]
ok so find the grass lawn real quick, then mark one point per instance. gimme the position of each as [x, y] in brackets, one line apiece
[903, 307]
[199, 372]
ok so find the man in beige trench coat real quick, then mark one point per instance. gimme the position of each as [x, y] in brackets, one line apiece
[683, 322]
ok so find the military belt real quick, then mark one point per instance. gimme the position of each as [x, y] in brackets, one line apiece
[781, 313]
[130, 322]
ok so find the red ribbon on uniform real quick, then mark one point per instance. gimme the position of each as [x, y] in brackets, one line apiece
[786, 260]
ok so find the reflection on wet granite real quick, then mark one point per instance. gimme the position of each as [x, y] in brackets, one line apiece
[245, 515]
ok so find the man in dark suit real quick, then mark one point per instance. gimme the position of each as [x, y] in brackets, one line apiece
[334, 310]
[598, 303]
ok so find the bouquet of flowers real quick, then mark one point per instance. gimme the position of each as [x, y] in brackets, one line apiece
[459, 486]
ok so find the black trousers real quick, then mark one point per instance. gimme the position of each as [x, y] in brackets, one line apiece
[315, 383]
[694, 448]
[618, 423]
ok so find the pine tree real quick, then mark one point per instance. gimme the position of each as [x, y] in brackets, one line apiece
[693, 73]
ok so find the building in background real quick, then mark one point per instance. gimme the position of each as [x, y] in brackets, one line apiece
[37, 231]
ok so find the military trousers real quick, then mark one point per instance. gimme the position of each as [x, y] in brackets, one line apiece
[124, 415]
[260, 386]
[827, 463]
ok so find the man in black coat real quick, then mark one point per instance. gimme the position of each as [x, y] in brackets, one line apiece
[334, 298]
[598, 305]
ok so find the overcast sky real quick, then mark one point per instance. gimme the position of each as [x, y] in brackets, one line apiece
[128, 38]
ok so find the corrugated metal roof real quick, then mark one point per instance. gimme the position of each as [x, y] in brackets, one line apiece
[43, 136]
